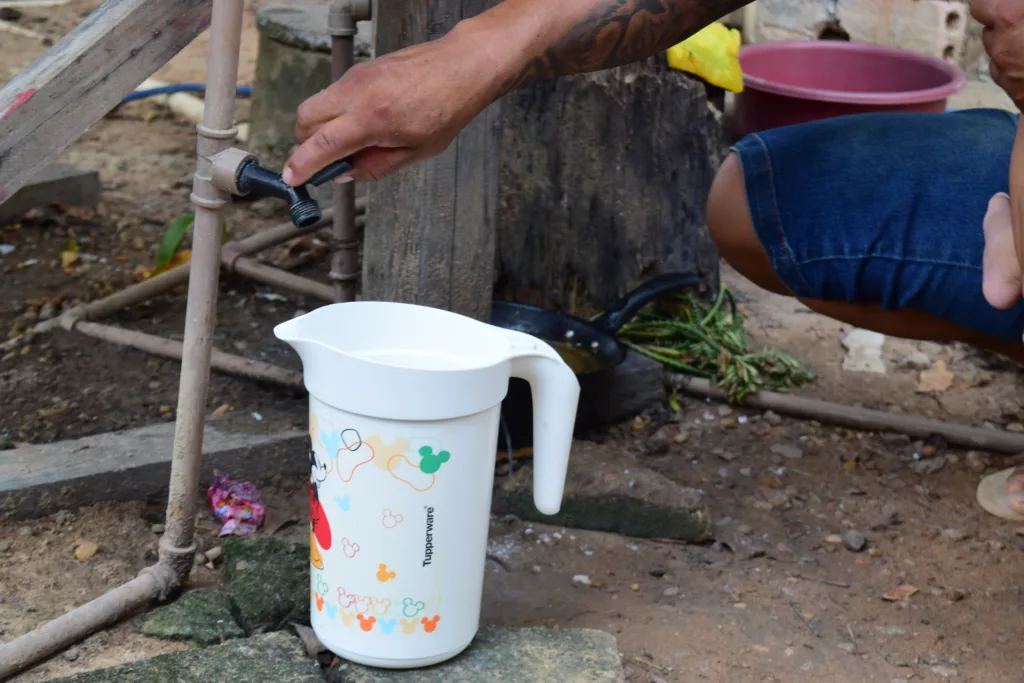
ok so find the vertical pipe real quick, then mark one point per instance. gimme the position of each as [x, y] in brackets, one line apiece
[215, 133]
[345, 260]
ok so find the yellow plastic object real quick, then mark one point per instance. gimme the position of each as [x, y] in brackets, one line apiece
[712, 53]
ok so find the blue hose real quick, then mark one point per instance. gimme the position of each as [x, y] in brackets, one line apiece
[240, 91]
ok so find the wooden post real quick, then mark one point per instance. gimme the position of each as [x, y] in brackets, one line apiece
[85, 75]
[430, 230]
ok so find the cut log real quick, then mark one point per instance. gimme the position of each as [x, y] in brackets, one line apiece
[85, 75]
[604, 184]
[430, 228]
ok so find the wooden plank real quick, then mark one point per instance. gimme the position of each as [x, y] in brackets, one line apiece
[62, 183]
[431, 228]
[85, 75]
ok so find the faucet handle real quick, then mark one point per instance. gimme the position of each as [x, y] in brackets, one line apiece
[330, 172]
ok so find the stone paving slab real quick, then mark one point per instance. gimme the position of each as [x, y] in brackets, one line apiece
[608, 491]
[271, 658]
[509, 655]
[134, 465]
[202, 616]
[269, 582]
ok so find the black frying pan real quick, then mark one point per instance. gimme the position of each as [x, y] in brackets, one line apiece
[588, 346]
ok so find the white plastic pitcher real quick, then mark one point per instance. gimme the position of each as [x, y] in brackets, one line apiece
[404, 406]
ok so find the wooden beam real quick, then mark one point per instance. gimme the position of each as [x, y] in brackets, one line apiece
[430, 230]
[85, 75]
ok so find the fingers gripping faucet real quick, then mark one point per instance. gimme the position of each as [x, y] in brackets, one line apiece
[239, 173]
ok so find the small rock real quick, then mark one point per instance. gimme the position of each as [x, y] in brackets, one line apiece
[744, 530]
[875, 552]
[634, 587]
[658, 443]
[746, 471]
[854, 541]
[955, 594]
[581, 579]
[929, 466]
[728, 423]
[772, 418]
[945, 672]
[977, 462]
[787, 452]
[85, 550]
[953, 535]
[1015, 428]
[834, 539]
[4, 546]
[72, 654]
[890, 515]
[680, 438]
[864, 352]
[847, 647]
[916, 360]
[728, 456]
[536, 569]
[670, 592]
[158, 529]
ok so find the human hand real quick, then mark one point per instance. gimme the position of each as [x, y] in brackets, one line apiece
[1004, 42]
[399, 108]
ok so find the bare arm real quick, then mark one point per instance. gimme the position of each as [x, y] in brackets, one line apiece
[410, 104]
[591, 35]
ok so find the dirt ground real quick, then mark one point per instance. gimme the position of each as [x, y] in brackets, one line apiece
[774, 598]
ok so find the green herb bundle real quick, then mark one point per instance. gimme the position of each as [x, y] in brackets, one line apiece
[710, 341]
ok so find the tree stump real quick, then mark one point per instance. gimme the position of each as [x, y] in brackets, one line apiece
[604, 184]
[293, 64]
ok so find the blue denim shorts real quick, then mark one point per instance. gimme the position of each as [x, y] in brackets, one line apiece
[884, 209]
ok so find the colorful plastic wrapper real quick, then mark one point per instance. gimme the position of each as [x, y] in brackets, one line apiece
[237, 504]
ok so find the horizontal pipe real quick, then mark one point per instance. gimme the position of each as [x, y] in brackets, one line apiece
[863, 418]
[81, 622]
[168, 348]
[275, 277]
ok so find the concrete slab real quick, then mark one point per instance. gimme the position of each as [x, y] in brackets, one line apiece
[272, 657]
[512, 655]
[134, 465]
[56, 183]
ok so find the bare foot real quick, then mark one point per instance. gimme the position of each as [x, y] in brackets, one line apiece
[1002, 276]
[1015, 491]
[1002, 494]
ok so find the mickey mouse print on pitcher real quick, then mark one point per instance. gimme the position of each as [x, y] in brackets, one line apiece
[403, 419]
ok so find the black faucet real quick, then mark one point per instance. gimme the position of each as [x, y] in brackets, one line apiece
[255, 181]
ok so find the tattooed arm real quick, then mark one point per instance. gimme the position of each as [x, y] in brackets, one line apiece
[590, 35]
[409, 105]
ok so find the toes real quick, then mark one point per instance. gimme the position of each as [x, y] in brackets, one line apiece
[1015, 491]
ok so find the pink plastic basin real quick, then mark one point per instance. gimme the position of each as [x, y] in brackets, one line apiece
[794, 82]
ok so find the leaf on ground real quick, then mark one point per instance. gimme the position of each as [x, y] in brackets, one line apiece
[900, 593]
[935, 379]
[172, 239]
[68, 259]
[178, 259]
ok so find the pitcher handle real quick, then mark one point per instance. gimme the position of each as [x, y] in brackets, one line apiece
[556, 393]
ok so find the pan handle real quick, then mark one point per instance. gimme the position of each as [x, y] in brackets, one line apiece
[612, 320]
